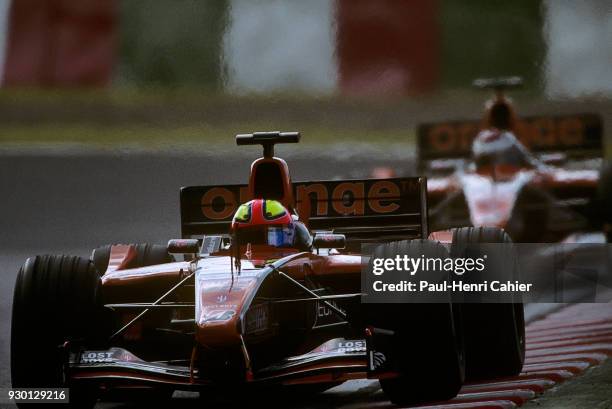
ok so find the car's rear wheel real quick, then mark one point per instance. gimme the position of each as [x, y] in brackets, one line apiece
[494, 332]
[531, 215]
[604, 199]
[56, 300]
[427, 347]
[146, 255]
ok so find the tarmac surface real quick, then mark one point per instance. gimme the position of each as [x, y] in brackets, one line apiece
[72, 202]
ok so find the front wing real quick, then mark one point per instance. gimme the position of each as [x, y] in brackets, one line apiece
[334, 361]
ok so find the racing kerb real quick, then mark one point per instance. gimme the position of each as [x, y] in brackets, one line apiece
[560, 346]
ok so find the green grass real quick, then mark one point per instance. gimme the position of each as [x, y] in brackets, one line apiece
[163, 138]
[161, 118]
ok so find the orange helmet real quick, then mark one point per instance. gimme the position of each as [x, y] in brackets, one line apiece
[263, 221]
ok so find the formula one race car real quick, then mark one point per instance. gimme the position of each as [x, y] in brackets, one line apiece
[538, 177]
[263, 299]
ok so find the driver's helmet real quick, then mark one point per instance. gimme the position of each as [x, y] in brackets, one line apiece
[268, 222]
[496, 147]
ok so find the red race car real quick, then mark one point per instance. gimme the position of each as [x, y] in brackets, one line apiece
[261, 298]
[538, 178]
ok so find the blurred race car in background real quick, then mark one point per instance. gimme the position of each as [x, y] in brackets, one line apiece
[540, 178]
[240, 312]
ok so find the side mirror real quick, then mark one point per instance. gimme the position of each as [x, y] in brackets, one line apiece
[183, 246]
[329, 241]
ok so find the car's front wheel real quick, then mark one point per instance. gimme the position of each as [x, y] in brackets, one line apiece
[427, 346]
[56, 300]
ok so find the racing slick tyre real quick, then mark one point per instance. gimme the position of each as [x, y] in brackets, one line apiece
[494, 332]
[604, 199]
[57, 300]
[427, 344]
[147, 255]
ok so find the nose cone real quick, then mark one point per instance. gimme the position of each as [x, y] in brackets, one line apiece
[220, 296]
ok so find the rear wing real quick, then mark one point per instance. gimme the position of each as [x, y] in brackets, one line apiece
[577, 136]
[370, 210]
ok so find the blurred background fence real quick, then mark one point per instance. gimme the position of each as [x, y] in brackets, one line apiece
[331, 67]
[320, 46]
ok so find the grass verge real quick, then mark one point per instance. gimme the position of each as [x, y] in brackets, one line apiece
[163, 137]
